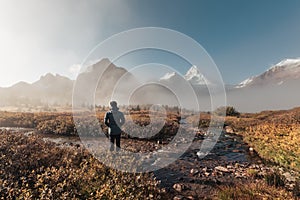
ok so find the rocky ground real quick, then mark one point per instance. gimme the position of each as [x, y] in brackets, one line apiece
[231, 162]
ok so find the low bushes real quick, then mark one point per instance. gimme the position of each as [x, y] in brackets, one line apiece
[33, 169]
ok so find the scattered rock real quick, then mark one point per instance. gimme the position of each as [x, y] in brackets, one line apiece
[201, 154]
[289, 177]
[30, 133]
[190, 198]
[229, 167]
[251, 149]
[291, 186]
[178, 187]
[237, 175]
[178, 197]
[280, 169]
[221, 169]
[229, 129]
[206, 174]
[194, 171]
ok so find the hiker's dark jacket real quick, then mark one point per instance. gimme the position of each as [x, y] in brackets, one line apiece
[114, 119]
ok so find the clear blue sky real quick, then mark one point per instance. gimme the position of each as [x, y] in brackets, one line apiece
[243, 37]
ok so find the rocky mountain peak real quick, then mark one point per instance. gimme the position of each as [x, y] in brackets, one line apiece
[194, 76]
[285, 70]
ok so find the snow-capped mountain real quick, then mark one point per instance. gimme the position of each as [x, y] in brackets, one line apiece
[278, 74]
[193, 76]
[276, 88]
[246, 82]
[169, 76]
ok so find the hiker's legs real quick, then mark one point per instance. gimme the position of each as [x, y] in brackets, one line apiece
[118, 142]
[112, 142]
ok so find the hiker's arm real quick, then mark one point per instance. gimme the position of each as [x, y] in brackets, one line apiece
[106, 120]
[122, 119]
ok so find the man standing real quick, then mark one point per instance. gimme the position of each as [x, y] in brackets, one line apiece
[114, 119]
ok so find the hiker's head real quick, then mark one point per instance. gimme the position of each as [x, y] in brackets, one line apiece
[113, 104]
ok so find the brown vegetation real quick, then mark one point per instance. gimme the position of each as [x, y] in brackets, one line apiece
[275, 135]
[33, 169]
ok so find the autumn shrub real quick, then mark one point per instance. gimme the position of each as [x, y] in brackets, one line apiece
[153, 131]
[278, 143]
[275, 135]
[227, 110]
[17, 119]
[253, 191]
[274, 179]
[63, 123]
[31, 168]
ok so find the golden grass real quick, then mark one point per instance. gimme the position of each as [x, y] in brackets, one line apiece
[253, 191]
[278, 143]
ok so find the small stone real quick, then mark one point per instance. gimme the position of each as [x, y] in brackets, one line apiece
[201, 154]
[291, 186]
[251, 149]
[178, 197]
[194, 171]
[238, 175]
[281, 169]
[229, 129]
[289, 177]
[221, 169]
[206, 174]
[177, 187]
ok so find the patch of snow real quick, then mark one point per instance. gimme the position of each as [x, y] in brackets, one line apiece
[285, 69]
[195, 77]
[286, 64]
[168, 76]
[245, 82]
[280, 83]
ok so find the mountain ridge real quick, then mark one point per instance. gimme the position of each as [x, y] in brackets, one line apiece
[193, 76]
[286, 69]
[192, 73]
[275, 88]
[55, 89]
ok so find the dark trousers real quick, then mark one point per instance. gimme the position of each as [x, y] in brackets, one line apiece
[115, 139]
